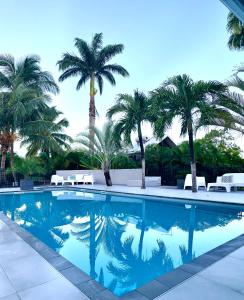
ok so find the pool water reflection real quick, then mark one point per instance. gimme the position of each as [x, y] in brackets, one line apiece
[120, 241]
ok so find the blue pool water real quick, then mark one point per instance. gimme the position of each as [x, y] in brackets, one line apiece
[123, 242]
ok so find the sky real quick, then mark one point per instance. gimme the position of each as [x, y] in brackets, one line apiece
[162, 38]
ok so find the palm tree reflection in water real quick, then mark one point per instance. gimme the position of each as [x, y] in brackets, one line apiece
[187, 254]
[101, 228]
[132, 268]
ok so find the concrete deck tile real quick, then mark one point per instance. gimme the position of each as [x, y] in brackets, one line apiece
[201, 289]
[228, 272]
[58, 289]
[10, 297]
[12, 251]
[8, 237]
[239, 254]
[29, 271]
[6, 287]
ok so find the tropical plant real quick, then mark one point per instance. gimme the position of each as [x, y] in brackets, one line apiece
[191, 102]
[92, 65]
[28, 167]
[104, 147]
[236, 29]
[134, 110]
[23, 85]
[46, 133]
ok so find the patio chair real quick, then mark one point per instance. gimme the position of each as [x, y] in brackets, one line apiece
[79, 178]
[56, 179]
[201, 182]
[89, 179]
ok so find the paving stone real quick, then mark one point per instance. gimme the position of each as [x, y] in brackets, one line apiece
[58, 289]
[10, 297]
[8, 237]
[60, 263]
[12, 251]
[173, 278]
[75, 275]
[152, 289]
[29, 271]
[6, 287]
[91, 288]
[228, 272]
[201, 289]
[238, 253]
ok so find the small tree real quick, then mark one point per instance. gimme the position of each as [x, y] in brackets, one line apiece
[104, 148]
[134, 110]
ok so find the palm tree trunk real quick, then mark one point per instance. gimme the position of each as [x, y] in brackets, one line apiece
[192, 156]
[3, 159]
[107, 178]
[3, 165]
[92, 113]
[143, 164]
[12, 161]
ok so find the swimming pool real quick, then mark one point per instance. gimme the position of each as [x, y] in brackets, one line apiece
[123, 241]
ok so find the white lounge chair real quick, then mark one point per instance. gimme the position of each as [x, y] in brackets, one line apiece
[228, 181]
[70, 179]
[201, 182]
[79, 178]
[89, 179]
[56, 179]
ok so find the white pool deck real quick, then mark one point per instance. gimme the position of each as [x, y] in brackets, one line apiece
[25, 275]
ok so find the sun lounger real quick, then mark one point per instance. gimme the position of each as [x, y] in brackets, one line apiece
[201, 182]
[228, 181]
[56, 180]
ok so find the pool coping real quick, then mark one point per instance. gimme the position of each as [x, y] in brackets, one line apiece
[151, 290]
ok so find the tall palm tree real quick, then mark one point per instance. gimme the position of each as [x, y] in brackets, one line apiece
[92, 65]
[135, 110]
[236, 29]
[181, 97]
[104, 145]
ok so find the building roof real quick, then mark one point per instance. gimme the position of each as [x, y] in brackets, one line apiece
[164, 142]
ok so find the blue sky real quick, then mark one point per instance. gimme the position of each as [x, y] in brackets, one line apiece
[161, 37]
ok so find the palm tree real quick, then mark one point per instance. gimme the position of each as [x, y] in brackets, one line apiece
[92, 65]
[45, 134]
[135, 110]
[104, 147]
[236, 29]
[20, 81]
[181, 97]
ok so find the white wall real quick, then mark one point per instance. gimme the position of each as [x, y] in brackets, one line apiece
[118, 176]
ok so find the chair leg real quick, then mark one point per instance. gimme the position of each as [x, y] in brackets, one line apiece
[228, 189]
